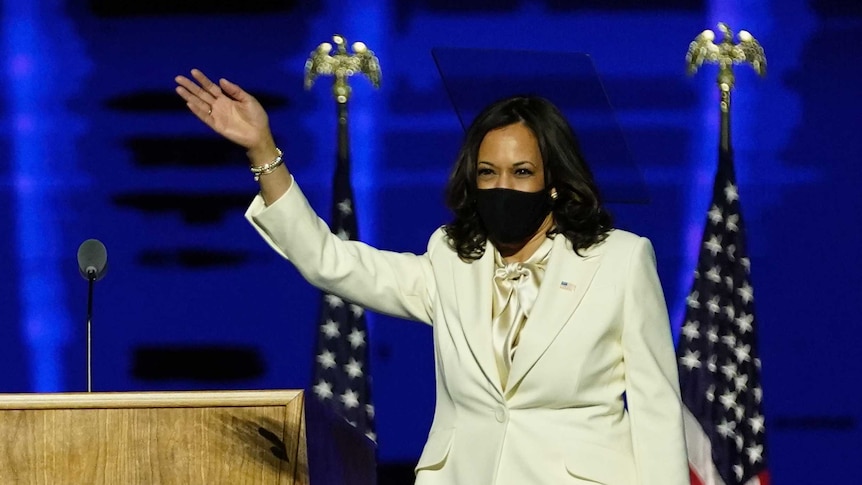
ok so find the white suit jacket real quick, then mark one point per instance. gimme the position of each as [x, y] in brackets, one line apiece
[592, 395]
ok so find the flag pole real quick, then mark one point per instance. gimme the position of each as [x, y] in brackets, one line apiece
[341, 377]
[718, 363]
[725, 54]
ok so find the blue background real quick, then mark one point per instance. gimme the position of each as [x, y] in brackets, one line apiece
[93, 143]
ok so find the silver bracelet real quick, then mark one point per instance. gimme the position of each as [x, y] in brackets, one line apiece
[268, 168]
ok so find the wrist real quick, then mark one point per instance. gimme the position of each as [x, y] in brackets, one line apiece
[262, 153]
[269, 167]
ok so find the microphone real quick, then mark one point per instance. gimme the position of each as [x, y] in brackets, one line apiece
[93, 264]
[92, 259]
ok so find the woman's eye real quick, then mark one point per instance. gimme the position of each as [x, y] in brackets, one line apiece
[485, 171]
[523, 172]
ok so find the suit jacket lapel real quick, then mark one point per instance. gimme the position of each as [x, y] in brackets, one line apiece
[566, 280]
[472, 283]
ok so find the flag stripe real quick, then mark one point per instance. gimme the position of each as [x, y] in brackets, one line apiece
[699, 452]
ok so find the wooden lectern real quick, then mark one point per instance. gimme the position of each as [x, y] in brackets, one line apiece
[183, 438]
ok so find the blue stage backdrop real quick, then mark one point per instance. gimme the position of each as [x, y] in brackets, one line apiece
[95, 144]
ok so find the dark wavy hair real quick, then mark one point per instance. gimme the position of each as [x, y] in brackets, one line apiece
[577, 209]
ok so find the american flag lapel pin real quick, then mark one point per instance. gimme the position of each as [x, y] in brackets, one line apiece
[565, 285]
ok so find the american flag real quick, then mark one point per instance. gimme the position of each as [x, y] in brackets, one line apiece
[342, 379]
[717, 352]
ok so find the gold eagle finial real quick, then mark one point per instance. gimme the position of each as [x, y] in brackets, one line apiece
[727, 53]
[321, 62]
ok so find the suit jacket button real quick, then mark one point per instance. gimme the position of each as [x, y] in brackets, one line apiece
[500, 414]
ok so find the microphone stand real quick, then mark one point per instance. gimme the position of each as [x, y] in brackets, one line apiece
[91, 280]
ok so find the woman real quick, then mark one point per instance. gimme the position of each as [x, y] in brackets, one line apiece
[554, 358]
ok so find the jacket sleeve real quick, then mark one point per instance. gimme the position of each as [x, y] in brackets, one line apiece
[652, 383]
[397, 284]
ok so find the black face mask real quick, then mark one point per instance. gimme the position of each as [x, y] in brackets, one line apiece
[511, 216]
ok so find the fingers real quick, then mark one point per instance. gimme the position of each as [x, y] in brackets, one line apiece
[211, 88]
[202, 96]
[203, 89]
[187, 85]
[194, 102]
[233, 90]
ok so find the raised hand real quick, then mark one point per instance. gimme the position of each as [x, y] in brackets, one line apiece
[237, 116]
[228, 110]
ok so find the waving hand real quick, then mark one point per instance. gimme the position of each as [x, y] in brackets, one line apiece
[239, 117]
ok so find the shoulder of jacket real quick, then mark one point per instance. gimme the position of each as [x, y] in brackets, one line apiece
[619, 238]
[620, 243]
[438, 238]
